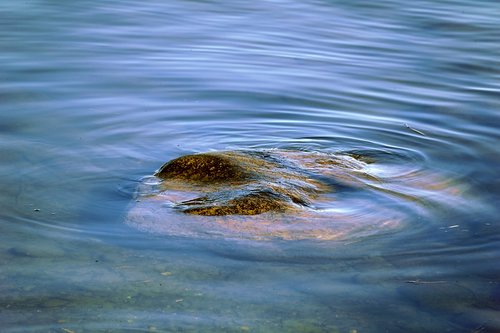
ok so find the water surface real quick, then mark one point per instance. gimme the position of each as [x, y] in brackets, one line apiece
[95, 96]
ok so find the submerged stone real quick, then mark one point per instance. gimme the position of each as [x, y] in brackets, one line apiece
[241, 183]
[284, 194]
[249, 204]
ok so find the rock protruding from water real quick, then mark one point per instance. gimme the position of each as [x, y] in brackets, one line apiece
[204, 168]
[287, 194]
[240, 183]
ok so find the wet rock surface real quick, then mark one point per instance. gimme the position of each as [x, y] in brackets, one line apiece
[241, 183]
[204, 168]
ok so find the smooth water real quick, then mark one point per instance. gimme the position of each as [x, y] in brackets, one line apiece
[97, 95]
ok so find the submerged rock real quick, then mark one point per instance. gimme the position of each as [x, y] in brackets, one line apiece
[240, 183]
[242, 204]
[277, 193]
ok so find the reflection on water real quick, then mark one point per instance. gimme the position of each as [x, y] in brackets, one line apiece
[96, 96]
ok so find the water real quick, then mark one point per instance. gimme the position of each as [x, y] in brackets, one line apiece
[96, 96]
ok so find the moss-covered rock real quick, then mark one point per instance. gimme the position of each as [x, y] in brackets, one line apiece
[248, 204]
[241, 183]
[206, 168]
[288, 194]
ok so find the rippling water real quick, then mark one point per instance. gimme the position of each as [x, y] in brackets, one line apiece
[95, 96]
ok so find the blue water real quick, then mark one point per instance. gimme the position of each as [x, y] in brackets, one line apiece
[95, 96]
